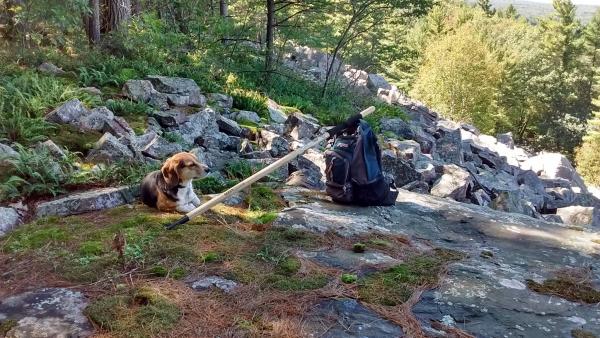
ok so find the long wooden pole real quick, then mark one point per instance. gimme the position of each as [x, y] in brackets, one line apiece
[257, 176]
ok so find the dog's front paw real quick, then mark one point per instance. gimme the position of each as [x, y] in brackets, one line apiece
[186, 208]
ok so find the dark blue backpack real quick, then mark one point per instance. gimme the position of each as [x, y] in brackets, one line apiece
[353, 169]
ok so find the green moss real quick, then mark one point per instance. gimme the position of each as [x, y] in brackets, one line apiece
[6, 325]
[349, 278]
[394, 286]
[138, 123]
[568, 289]
[289, 266]
[210, 256]
[75, 140]
[91, 248]
[380, 243]
[579, 333]
[359, 247]
[142, 313]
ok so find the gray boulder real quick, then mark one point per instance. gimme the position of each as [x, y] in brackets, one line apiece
[9, 219]
[309, 179]
[93, 200]
[454, 183]
[277, 145]
[96, 119]
[553, 166]
[229, 126]
[578, 215]
[109, 149]
[201, 128]
[506, 139]
[532, 180]
[222, 101]
[173, 85]
[376, 81]
[513, 202]
[559, 197]
[401, 171]
[143, 91]
[193, 100]
[51, 69]
[91, 90]
[119, 127]
[417, 111]
[275, 113]
[71, 112]
[51, 148]
[244, 116]
[418, 187]
[6, 154]
[170, 118]
[408, 150]
[398, 127]
[449, 145]
[300, 126]
[215, 159]
[158, 148]
[50, 312]
[480, 197]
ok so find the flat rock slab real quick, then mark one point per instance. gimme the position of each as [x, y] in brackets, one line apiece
[347, 318]
[51, 312]
[485, 295]
[93, 200]
[351, 261]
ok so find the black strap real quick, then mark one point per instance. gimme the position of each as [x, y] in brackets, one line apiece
[349, 123]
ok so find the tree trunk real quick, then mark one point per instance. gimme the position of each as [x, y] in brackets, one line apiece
[119, 12]
[92, 22]
[270, 38]
[223, 8]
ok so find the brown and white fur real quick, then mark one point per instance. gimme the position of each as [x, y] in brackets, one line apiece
[170, 188]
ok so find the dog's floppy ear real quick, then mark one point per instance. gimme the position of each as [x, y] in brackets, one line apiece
[170, 172]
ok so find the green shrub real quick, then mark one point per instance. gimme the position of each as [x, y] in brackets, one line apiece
[128, 107]
[213, 185]
[35, 172]
[238, 170]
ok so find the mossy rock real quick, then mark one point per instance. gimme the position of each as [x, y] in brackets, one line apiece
[75, 140]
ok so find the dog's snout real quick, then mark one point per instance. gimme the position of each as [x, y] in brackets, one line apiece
[205, 168]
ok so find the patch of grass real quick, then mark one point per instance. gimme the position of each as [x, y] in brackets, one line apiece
[395, 285]
[566, 288]
[115, 174]
[91, 248]
[210, 257]
[141, 313]
[349, 278]
[579, 333]
[31, 238]
[173, 137]
[6, 325]
[289, 266]
[128, 107]
[213, 185]
[265, 217]
[238, 170]
[263, 198]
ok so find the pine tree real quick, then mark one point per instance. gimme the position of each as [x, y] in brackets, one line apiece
[511, 12]
[486, 6]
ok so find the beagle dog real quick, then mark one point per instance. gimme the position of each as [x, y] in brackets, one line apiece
[170, 188]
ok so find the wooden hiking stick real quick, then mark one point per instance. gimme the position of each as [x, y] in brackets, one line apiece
[271, 168]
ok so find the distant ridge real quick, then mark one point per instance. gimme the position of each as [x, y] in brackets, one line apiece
[532, 10]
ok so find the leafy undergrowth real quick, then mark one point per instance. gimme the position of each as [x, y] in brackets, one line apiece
[395, 285]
